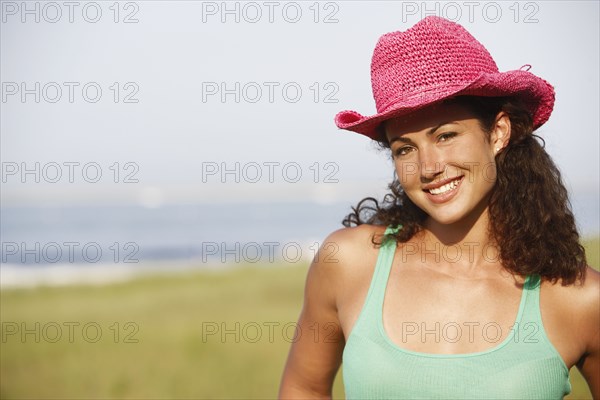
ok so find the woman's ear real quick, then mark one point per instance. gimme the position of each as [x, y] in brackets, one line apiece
[500, 134]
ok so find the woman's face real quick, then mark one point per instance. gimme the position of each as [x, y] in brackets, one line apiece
[445, 162]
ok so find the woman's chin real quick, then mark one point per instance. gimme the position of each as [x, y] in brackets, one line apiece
[457, 216]
[444, 219]
[447, 215]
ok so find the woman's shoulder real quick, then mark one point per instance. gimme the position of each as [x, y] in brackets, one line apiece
[348, 251]
[591, 285]
[587, 296]
[586, 309]
[356, 235]
[354, 242]
[342, 261]
[579, 302]
[581, 293]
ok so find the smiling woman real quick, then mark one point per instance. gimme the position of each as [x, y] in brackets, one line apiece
[451, 157]
[468, 280]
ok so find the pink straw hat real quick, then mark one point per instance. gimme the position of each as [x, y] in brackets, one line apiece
[434, 60]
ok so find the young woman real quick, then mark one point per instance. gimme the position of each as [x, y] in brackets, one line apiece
[468, 280]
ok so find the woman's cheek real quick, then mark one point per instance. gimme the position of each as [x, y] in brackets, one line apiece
[489, 172]
[407, 171]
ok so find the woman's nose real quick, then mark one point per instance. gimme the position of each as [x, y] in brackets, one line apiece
[431, 163]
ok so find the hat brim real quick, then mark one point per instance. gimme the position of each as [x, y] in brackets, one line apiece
[536, 93]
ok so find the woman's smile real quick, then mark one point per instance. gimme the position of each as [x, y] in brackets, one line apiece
[443, 191]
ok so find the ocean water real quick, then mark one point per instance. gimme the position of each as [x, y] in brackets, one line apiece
[133, 234]
[204, 233]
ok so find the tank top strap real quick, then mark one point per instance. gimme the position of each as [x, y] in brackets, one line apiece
[385, 259]
[531, 332]
[376, 294]
[531, 310]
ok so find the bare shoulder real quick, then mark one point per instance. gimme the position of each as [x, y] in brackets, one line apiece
[579, 298]
[345, 255]
[579, 304]
[588, 299]
[356, 239]
[349, 247]
[586, 310]
[591, 286]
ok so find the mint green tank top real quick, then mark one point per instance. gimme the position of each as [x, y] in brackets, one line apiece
[523, 366]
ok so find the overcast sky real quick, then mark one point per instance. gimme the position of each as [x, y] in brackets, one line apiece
[141, 99]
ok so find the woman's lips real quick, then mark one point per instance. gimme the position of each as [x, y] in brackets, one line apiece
[445, 192]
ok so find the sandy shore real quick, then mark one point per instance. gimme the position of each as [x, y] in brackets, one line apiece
[27, 276]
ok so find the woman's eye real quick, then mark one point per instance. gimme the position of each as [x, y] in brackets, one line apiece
[446, 136]
[402, 151]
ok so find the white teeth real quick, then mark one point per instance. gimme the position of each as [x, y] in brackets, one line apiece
[445, 188]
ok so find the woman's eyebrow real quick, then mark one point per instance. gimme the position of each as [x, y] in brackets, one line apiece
[435, 128]
[400, 139]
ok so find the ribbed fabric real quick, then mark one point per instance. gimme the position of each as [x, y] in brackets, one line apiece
[523, 366]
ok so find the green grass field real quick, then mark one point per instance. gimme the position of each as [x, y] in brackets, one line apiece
[160, 337]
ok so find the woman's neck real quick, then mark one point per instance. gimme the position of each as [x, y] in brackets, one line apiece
[465, 246]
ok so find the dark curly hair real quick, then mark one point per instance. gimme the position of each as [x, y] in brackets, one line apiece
[532, 223]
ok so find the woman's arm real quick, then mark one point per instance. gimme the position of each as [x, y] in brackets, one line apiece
[316, 354]
[589, 364]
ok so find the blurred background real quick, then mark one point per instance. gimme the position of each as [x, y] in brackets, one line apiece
[170, 168]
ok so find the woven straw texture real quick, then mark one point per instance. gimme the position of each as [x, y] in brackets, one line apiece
[434, 60]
